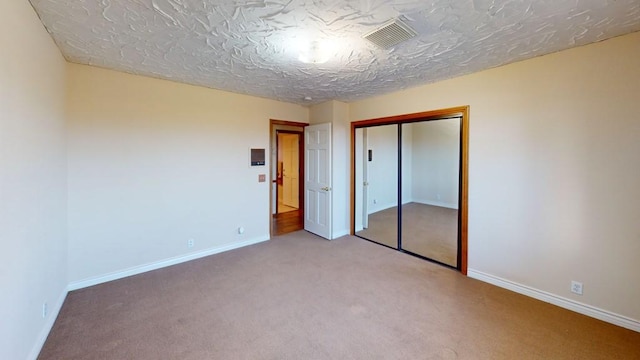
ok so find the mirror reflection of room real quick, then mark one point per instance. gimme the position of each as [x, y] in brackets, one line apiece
[430, 169]
[378, 205]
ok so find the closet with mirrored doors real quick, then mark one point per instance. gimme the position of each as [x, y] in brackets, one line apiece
[409, 184]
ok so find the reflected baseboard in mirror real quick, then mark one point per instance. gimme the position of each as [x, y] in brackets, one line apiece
[429, 231]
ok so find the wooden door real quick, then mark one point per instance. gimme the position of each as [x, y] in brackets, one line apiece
[290, 170]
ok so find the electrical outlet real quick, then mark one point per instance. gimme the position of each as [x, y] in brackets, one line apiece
[240, 230]
[190, 243]
[44, 310]
[576, 287]
[375, 201]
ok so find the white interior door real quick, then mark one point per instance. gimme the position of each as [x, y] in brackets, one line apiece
[317, 175]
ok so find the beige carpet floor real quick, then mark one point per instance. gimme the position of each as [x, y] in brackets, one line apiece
[302, 297]
[429, 231]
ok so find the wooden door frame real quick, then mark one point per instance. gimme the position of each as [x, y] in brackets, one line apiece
[272, 130]
[463, 112]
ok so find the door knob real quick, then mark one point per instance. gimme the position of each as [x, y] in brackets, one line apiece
[326, 188]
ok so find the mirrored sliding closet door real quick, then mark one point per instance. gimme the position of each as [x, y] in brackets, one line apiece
[431, 174]
[407, 186]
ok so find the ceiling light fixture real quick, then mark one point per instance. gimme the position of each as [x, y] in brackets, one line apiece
[317, 52]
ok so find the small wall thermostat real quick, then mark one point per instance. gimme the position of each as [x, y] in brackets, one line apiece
[257, 157]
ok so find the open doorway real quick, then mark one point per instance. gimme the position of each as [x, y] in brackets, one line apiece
[288, 171]
[287, 183]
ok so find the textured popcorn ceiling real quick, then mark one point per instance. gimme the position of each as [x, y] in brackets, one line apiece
[252, 46]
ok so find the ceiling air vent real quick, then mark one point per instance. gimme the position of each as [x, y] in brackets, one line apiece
[390, 34]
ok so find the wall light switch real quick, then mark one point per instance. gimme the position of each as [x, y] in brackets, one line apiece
[262, 178]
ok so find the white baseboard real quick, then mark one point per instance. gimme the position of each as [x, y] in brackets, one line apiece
[560, 301]
[48, 325]
[341, 233]
[379, 207]
[162, 263]
[436, 203]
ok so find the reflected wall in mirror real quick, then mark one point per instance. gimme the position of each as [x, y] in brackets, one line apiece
[431, 179]
[376, 205]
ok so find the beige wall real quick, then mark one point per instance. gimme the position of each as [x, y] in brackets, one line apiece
[553, 169]
[154, 163]
[32, 181]
[150, 164]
